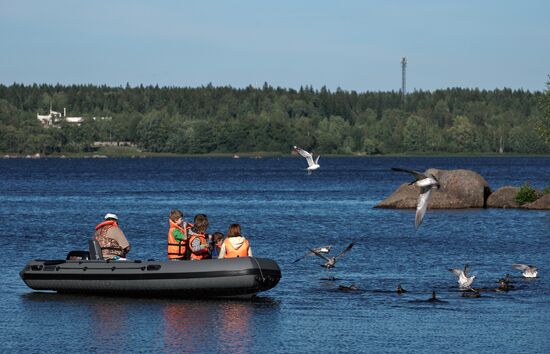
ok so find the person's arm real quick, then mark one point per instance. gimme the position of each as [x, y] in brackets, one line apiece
[178, 235]
[119, 236]
[116, 234]
[222, 251]
[198, 247]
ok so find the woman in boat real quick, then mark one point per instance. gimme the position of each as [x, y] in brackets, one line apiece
[235, 245]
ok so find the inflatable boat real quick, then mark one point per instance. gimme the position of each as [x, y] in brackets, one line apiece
[86, 272]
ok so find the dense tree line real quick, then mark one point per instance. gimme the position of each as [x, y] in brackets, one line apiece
[225, 119]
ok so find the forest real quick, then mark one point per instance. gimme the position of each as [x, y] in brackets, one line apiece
[211, 119]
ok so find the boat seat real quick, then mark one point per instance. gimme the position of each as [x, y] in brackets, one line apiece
[78, 255]
[95, 250]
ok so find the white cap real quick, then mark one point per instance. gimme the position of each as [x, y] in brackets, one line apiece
[110, 216]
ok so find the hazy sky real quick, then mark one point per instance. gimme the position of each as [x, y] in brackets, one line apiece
[354, 45]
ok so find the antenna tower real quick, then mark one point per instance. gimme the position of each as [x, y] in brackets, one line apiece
[403, 77]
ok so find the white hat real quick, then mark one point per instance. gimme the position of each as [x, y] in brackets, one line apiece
[110, 216]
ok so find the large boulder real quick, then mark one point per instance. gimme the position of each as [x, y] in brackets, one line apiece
[543, 203]
[504, 197]
[460, 189]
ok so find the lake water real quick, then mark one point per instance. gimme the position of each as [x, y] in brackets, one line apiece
[50, 206]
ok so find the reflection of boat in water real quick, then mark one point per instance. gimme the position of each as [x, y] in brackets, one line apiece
[232, 277]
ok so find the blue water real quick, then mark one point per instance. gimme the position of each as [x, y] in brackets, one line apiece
[50, 206]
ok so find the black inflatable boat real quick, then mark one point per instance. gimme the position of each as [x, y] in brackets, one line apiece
[209, 278]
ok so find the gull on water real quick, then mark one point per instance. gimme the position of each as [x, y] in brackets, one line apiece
[426, 185]
[331, 261]
[311, 166]
[322, 249]
[464, 281]
[528, 271]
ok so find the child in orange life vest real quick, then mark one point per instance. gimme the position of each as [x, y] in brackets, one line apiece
[177, 236]
[198, 243]
[235, 245]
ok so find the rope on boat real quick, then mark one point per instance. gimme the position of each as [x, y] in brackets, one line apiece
[260, 268]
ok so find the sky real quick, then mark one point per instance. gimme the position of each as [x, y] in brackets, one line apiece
[352, 45]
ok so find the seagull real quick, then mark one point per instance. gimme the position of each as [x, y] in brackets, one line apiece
[311, 166]
[331, 261]
[322, 249]
[529, 271]
[426, 184]
[464, 281]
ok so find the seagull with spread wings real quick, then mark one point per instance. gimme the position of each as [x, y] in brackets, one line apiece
[311, 166]
[528, 271]
[331, 261]
[464, 280]
[426, 185]
[322, 249]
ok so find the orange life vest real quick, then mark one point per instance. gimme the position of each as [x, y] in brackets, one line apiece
[176, 249]
[108, 245]
[203, 253]
[231, 252]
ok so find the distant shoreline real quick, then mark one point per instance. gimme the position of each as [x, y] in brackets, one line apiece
[248, 155]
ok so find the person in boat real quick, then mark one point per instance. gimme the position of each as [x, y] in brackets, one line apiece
[111, 239]
[199, 247]
[216, 244]
[177, 236]
[235, 245]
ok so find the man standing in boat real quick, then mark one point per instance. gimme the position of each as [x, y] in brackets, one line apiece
[177, 236]
[111, 239]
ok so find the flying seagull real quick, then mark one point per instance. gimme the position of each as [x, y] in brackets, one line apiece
[464, 281]
[331, 261]
[322, 249]
[311, 166]
[529, 271]
[426, 184]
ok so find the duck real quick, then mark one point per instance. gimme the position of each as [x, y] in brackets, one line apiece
[471, 293]
[400, 290]
[351, 287]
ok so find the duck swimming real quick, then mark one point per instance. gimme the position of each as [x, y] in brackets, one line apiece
[351, 287]
[471, 293]
[434, 299]
[400, 290]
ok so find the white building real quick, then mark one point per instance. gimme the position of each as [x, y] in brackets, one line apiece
[54, 118]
